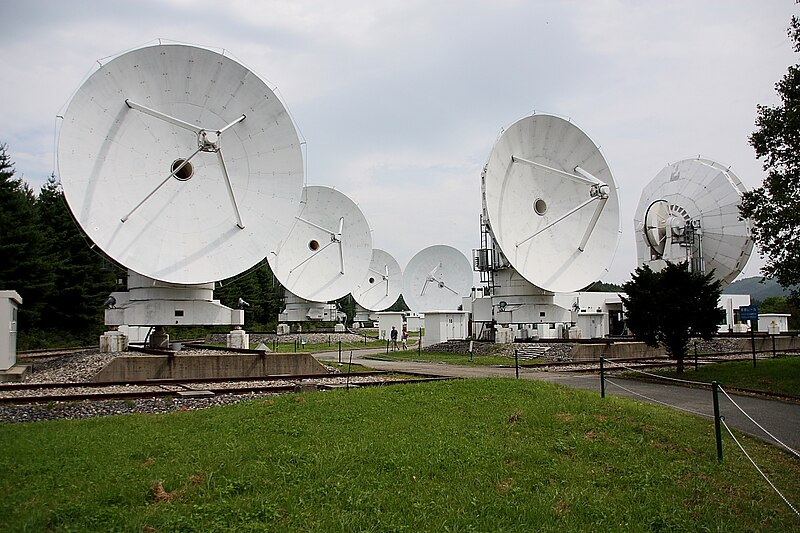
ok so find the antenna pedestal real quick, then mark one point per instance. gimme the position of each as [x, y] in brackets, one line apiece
[153, 303]
[299, 310]
[362, 314]
[529, 310]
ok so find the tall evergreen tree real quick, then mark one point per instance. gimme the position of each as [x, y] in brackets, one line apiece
[259, 289]
[669, 307]
[23, 267]
[83, 277]
[773, 207]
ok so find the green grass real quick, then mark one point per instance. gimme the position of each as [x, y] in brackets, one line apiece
[326, 347]
[346, 367]
[779, 376]
[467, 455]
[448, 358]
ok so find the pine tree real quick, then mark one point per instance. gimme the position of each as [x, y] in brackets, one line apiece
[668, 307]
[83, 276]
[259, 289]
[23, 267]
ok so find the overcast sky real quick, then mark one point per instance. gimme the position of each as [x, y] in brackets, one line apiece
[400, 102]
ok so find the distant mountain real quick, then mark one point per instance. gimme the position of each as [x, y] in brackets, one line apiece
[757, 289]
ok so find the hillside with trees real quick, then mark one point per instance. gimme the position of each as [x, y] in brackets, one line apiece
[758, 288]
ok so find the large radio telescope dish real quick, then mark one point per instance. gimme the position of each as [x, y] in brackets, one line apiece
[328, 249]
[552, 203]
[704, 196]
[140, 156]
[382, 284]
[436, 279]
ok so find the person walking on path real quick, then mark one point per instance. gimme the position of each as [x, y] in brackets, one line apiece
[393, 336]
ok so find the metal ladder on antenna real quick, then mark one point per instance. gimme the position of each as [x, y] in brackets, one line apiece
[484, 259]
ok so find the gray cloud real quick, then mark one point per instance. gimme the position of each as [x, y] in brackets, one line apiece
[400, 102]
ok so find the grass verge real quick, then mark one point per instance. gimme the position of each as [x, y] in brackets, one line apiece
[324, 346]
[468, 455]
[448, 358]
[346, 367]
[778, 376]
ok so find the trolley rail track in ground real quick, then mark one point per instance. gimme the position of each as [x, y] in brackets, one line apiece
[188, 388]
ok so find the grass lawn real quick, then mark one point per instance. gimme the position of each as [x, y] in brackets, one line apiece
[449, 358]
[346, 367]
[780, 375]
[467, 455]
[324, 346]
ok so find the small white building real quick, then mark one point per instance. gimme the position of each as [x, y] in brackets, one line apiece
[442, 326]
[386, 320]
[414, 321]
[731, 304]
[9, 305]
[773, 322]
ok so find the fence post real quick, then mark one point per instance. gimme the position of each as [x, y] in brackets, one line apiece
[340, 352]
[753, 342]
[695, 356]
[717, 419]
[387, 346]
[349, 370]
[516, 362]
[602, 379]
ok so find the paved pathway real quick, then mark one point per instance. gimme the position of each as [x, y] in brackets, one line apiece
[782, 419]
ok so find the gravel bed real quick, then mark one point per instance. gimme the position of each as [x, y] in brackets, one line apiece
[74, 367]
[82, 366]
[310, 338]
[92, 409]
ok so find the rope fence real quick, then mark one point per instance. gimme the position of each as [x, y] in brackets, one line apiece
[792, 507]
[773, 437]
[719, 420]
[667, 378]
[648, 398]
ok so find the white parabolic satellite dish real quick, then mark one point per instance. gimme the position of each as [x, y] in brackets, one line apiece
[436, 279]
[382, 284]
[552, 203]
[702, 193]
[180, 163]
[328, 249]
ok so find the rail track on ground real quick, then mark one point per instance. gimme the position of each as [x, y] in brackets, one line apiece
[28, 392]
[37, 392]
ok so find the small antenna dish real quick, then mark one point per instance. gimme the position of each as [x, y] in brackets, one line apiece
[328, 249]
[690, 212]
[552, 203]
[436, 279]
[657, 226]
[382, 284]
[180, 163]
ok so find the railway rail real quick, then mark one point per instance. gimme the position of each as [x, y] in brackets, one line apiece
[27, 393]
[76, 391]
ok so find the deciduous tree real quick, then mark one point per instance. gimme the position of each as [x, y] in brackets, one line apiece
[773, 207]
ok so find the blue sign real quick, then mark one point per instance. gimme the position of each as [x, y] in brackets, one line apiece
[748, 312]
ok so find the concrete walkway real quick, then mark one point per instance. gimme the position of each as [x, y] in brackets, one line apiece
[782, 419]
